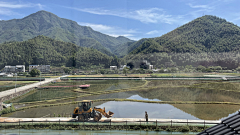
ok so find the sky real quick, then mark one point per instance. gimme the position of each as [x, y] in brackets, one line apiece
[134, 19]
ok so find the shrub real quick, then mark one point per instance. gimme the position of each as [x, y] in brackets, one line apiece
[34, 72]
[184, 129]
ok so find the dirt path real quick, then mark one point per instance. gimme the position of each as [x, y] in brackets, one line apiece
[69, 119]
[12, 91]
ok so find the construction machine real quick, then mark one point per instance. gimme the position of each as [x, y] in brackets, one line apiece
[84, 112]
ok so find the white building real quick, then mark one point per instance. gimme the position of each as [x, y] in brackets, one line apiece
[113, 67]
[123, 66]
[150, 66]
[42, 68]
[14, 69]
[20, 68]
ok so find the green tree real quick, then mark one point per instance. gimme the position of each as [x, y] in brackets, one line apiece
[102, 71]
[125, 70]
[130, 64]
[201, 68]
[218, 68]
[34, 72]
[67, 70]
[238, 69]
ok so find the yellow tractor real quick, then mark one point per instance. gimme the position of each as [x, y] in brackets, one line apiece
[84, 112]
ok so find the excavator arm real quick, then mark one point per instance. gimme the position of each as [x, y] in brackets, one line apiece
[102, 111]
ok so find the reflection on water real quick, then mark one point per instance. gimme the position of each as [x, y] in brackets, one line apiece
[86, 132]
[137, 110]
[128, 109]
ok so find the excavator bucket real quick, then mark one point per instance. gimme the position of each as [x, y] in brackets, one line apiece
[109, 114]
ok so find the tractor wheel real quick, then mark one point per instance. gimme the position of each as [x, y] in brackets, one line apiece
[80, 118]
[86, 118]
[97, 117]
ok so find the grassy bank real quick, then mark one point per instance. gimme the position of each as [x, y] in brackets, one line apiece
[107, 126]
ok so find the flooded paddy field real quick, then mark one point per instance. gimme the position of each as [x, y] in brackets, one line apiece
[7, 85]
[127, 109]
[57, 93]
[177, 91]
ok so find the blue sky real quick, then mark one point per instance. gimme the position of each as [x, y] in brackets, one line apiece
[134, 19]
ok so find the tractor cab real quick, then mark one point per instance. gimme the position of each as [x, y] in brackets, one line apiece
[83, 109]
[85, 105]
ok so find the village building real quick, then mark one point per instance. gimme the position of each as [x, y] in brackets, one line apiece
[42, 68]
[113, 67]
[14, 69]
[123, 66]
[148, 64]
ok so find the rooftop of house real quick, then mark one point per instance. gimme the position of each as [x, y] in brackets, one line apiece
[229, 126]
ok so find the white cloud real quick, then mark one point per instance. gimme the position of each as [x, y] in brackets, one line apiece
[152, 32]
[200, 10]
[152, 15]
[14, 5]
[111, 30]
[199, 6]
[7, 7]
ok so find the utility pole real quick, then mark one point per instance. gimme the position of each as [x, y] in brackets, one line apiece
[40, 77]
[16, 83]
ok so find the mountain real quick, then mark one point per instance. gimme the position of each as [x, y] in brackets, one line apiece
[44, 50]
[207, 41]
[126, 48]
[205, 34]
[48, 24]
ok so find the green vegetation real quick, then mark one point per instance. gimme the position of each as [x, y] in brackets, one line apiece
[34, 72]
[176, 91]
[208, 44]
[204, 34]
[186, 62]
[48, 24]
[151, 126]
[44, 50]
[6, 85]
[8, 110]
[126, 48]
[97, 87]
[206, 41]
[67, 70]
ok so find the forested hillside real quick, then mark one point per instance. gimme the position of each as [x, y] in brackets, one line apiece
[44, 50]
[48, 24]
[126, 48]
[207, 41]
[204, 34]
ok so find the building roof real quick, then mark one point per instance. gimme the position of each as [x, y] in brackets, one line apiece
[10, 66]
[229, 126]
[20, 65]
